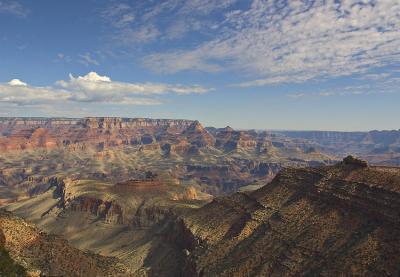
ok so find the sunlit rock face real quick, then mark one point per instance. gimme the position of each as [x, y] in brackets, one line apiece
[25, 133]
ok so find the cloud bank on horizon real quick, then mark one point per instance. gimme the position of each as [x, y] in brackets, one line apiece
[91, 88]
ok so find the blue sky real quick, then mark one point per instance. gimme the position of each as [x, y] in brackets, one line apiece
[320, 65]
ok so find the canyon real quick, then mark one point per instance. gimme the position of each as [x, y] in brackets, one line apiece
[166, 197]
[335, 220]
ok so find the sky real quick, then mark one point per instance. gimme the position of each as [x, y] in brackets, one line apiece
[249, 64]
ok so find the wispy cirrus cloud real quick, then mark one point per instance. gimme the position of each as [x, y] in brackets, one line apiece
[293, 41]
[380, 84]
[119, 14]
[14, 8]
[91, 88]
[87, 59]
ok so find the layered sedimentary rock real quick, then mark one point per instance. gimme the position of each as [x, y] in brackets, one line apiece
[329, 221]
[116, 149]
[25, 133]
[175, 136]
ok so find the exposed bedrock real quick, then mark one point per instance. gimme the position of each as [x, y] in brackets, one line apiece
[329, 221]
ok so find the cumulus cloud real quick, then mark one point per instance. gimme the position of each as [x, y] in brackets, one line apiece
[295, 41]
[91, 88]
[17, 82]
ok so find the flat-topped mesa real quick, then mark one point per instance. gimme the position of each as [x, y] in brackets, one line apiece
[98, 132]
[24, 122]
[102, 122]
[93, 122]
[119, 123]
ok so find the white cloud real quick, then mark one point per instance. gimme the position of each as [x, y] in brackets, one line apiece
[20, 93]
[353, 90]
[17, 82]
[14, 8]
[61, 57]
[91, 88]
[294, 41]
[119, 15]
[144, 22]
[375, 76]
[179, 61]
[141, 34]
[87, 60]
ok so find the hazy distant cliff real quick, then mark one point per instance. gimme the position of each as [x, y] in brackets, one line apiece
[92, 122]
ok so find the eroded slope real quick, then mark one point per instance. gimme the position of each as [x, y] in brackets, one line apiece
[331, 221]
[48, 255]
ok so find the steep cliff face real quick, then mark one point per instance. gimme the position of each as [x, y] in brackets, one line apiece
[108, 211]
[329, 221]
[25, 133]
[92, 122]
[131, 123]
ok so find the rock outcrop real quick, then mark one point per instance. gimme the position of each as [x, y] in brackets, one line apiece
[328, 221]
[351, 161]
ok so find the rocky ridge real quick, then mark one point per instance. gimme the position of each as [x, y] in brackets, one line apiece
[328, 221]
